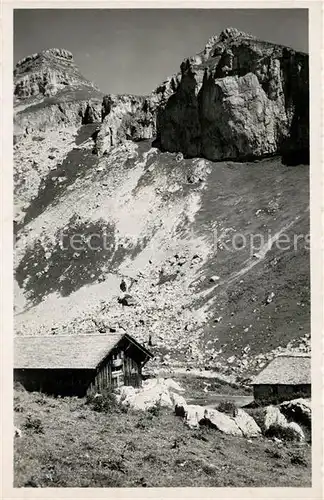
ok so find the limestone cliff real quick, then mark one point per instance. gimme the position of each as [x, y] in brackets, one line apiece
[238, 98]
[50, 92]
[45, 73]
[132, 117]
[125, 117]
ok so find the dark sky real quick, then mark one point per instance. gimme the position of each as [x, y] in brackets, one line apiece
[132, 51]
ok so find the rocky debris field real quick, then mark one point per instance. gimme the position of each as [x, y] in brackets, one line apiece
[160, 240]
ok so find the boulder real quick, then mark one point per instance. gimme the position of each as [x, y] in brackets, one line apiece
[127, 300]
[126, 395]
[222, 422]
[247, 424]
[173, 386]
[298, 410]
[273, 416]
[297, 430]
[194, 414]
[153, 391]
[179, 403]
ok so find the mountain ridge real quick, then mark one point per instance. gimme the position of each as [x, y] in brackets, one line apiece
[118, 167]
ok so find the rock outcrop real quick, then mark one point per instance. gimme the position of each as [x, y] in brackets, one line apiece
[132, 117]
[51, 93]
[299, 410]
[162, 392]
[46, 73]
[125, 117]
[242, 424]
[273, 416]
[240, 98]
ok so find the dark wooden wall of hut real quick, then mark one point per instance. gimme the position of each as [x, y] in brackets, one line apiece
[55, 381]
[119, 368]
[280, 392]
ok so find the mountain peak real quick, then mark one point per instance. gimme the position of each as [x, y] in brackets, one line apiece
[45, 73]
[24, 63]
[230, 32]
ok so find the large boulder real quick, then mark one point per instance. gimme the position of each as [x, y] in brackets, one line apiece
[126, 395]
[273, 417]
[297, 431]
[299, 410]
[247, 424]
[276, 424]
[194, 414]
[222, 422]
[173, 386]
[153, 392]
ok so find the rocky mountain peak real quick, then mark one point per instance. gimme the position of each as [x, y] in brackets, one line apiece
[38, 56]
[45, 73]
[232, 33]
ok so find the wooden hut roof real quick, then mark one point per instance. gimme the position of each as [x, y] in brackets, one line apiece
[67, 351]
[287, 370]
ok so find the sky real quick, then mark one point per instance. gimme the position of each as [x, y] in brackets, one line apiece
[133, 50]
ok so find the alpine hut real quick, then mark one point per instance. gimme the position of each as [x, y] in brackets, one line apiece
[78, 364]
[285, 377]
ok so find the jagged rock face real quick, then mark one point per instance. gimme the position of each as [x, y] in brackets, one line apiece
[46, 73]
[125, 117]
[132, 117]
[69, 113]
[238, 98]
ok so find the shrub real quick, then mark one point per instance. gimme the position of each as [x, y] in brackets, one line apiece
[40, 399]
[274, 453]
[101, 479]
[130, 446]
[31, 483]
[105, 401]
[299, 460]
[284, 433]
[34, 424]
[258, 415]
[114, 464]
[227, 407]
[156, 409]
[150, 457]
